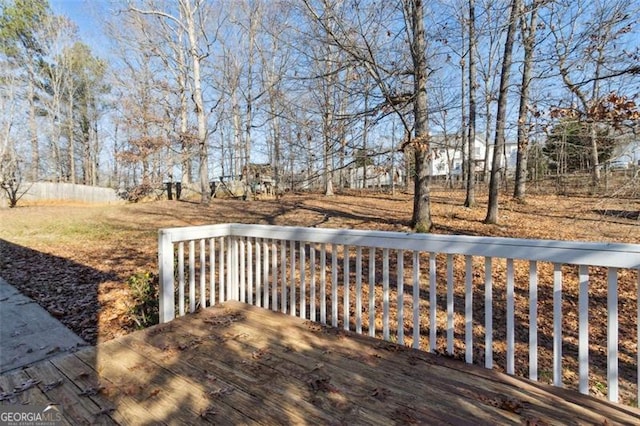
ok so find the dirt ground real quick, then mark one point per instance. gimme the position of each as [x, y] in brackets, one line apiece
[75, 259]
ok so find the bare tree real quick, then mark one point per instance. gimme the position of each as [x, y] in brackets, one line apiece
[189, 18]
[490, 23]
[276, 59]
[585, 38]
[357, 39]
[55, 70]
[10, 174]
[528, 31]
[470, 199]
[501, 115]
[21, 20]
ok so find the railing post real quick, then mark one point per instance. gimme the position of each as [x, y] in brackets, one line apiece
[612, 334]
[165, 272]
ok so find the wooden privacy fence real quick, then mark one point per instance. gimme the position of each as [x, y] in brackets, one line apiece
[39, 191]
[562, 312]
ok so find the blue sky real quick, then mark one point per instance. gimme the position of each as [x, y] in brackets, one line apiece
[87, 15]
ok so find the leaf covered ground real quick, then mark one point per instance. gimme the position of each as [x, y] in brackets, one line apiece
[75, 260]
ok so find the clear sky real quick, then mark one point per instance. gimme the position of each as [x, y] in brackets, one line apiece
[88, 15]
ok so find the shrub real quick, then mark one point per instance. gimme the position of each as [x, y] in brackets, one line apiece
[144, 290]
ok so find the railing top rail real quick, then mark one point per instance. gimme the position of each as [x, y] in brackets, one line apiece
[617, 255]
[187, 233]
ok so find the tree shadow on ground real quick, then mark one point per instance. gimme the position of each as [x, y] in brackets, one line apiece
[619, 214]
[68, 290]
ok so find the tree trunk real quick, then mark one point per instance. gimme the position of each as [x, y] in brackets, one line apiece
[33, 125]
[199, 105]
[421, 220]
[328, 172]
[595, 162]
[523, 132]
[86, 143]
[185, 140]
[237, 134]
[492, 208]
[70, 137]
[470, 199]
[463, 111]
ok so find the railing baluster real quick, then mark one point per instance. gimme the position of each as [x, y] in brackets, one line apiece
[533, 321]
[258, 272]
[359, 290]
[212, 271]
[203, 275]
[243, 272]
[334, 285]
[181, 278]
[510, 318]
[557, 324]
[303, 281]
[312, 297]
[468, 310]
[265, 273]
[235, 284]
[283, 276]
[323, 284]
[292, 292]
[433, 303]
[372, 291]
[583, 330]
[416, 300]
[229, 268]
[450, 304]
[274, 275]
[249, 268]
[345, 290]
[638, 335]
[488, 313]
[385, 294]
[221, 298]
[612, 334]
[400, 296]
[192, 276]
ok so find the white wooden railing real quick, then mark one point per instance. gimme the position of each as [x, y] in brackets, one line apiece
[351, 278]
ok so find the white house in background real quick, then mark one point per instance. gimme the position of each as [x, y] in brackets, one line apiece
[626, 156]
[447, 155]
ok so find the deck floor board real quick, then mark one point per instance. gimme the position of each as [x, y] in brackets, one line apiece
[238, 364]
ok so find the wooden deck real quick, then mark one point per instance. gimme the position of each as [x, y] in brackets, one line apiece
[238, 364]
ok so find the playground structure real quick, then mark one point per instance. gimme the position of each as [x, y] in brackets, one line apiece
[255, 180]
